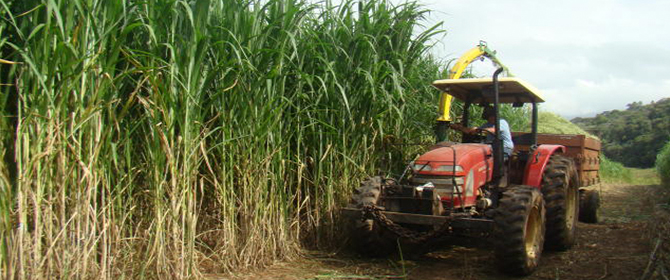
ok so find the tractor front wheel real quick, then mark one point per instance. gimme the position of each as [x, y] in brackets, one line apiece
[561, 195]
[519, 230]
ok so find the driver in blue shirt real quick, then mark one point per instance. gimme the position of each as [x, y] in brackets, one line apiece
[489, 126]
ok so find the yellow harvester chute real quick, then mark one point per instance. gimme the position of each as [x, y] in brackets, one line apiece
[479, 52]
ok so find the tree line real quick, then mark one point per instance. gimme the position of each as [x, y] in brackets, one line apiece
[633, 136]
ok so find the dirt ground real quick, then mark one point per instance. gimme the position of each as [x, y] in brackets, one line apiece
[618, 247]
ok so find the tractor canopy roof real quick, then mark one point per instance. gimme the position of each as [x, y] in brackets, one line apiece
[511, 90]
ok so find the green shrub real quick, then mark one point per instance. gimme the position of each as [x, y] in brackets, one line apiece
[614, 172]
[663, 164]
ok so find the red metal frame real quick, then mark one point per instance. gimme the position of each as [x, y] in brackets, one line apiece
[475, 159]
[466, 155]
[537, 162]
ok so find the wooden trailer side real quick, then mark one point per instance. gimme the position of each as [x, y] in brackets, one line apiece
[583, 150]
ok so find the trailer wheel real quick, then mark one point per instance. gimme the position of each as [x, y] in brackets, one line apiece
[561, 195]
[589, 202]
[519, 230]
[369, 237]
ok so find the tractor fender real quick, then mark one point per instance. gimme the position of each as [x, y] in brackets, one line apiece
[537, 162]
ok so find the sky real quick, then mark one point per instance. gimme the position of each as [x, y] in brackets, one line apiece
[585, 56]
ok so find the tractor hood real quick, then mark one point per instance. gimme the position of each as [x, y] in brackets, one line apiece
[455, 160]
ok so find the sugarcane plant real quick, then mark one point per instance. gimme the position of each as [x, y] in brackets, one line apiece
[167, 138]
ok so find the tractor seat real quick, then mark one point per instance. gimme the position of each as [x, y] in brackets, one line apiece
[522, 138]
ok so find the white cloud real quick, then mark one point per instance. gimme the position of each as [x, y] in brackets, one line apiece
[587, 97]
[585, 56]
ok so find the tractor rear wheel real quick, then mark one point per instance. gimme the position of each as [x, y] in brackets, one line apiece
[369, 237]
[519, 230]
[589, 202]
[561, 195]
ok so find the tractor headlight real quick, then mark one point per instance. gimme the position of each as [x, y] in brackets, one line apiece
[442, 168]
[422, 167]
[449, 168]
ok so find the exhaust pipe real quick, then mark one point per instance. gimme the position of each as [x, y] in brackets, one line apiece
[497, 143]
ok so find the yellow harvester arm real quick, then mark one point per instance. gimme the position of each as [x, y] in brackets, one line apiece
[479, 52]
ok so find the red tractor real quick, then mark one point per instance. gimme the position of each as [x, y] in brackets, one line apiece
[524, 203]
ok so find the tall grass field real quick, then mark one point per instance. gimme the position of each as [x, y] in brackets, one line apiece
[614, 172]
[172, 138]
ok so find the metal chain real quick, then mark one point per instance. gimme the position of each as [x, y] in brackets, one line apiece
[412, 236]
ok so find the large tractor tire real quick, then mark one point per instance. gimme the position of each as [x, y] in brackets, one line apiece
[561, 195]
[589, 202]
[519, 230]
[369, 237]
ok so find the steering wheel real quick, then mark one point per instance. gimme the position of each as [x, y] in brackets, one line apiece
[483, 132]
[481, 136]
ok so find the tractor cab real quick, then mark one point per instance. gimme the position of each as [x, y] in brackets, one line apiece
[481, 92]
[469, 176]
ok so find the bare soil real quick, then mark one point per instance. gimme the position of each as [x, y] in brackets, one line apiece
[618, 247]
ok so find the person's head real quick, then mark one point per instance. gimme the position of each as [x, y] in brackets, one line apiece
[489, 114]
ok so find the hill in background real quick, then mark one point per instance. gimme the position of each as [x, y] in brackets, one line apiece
[633, 136]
